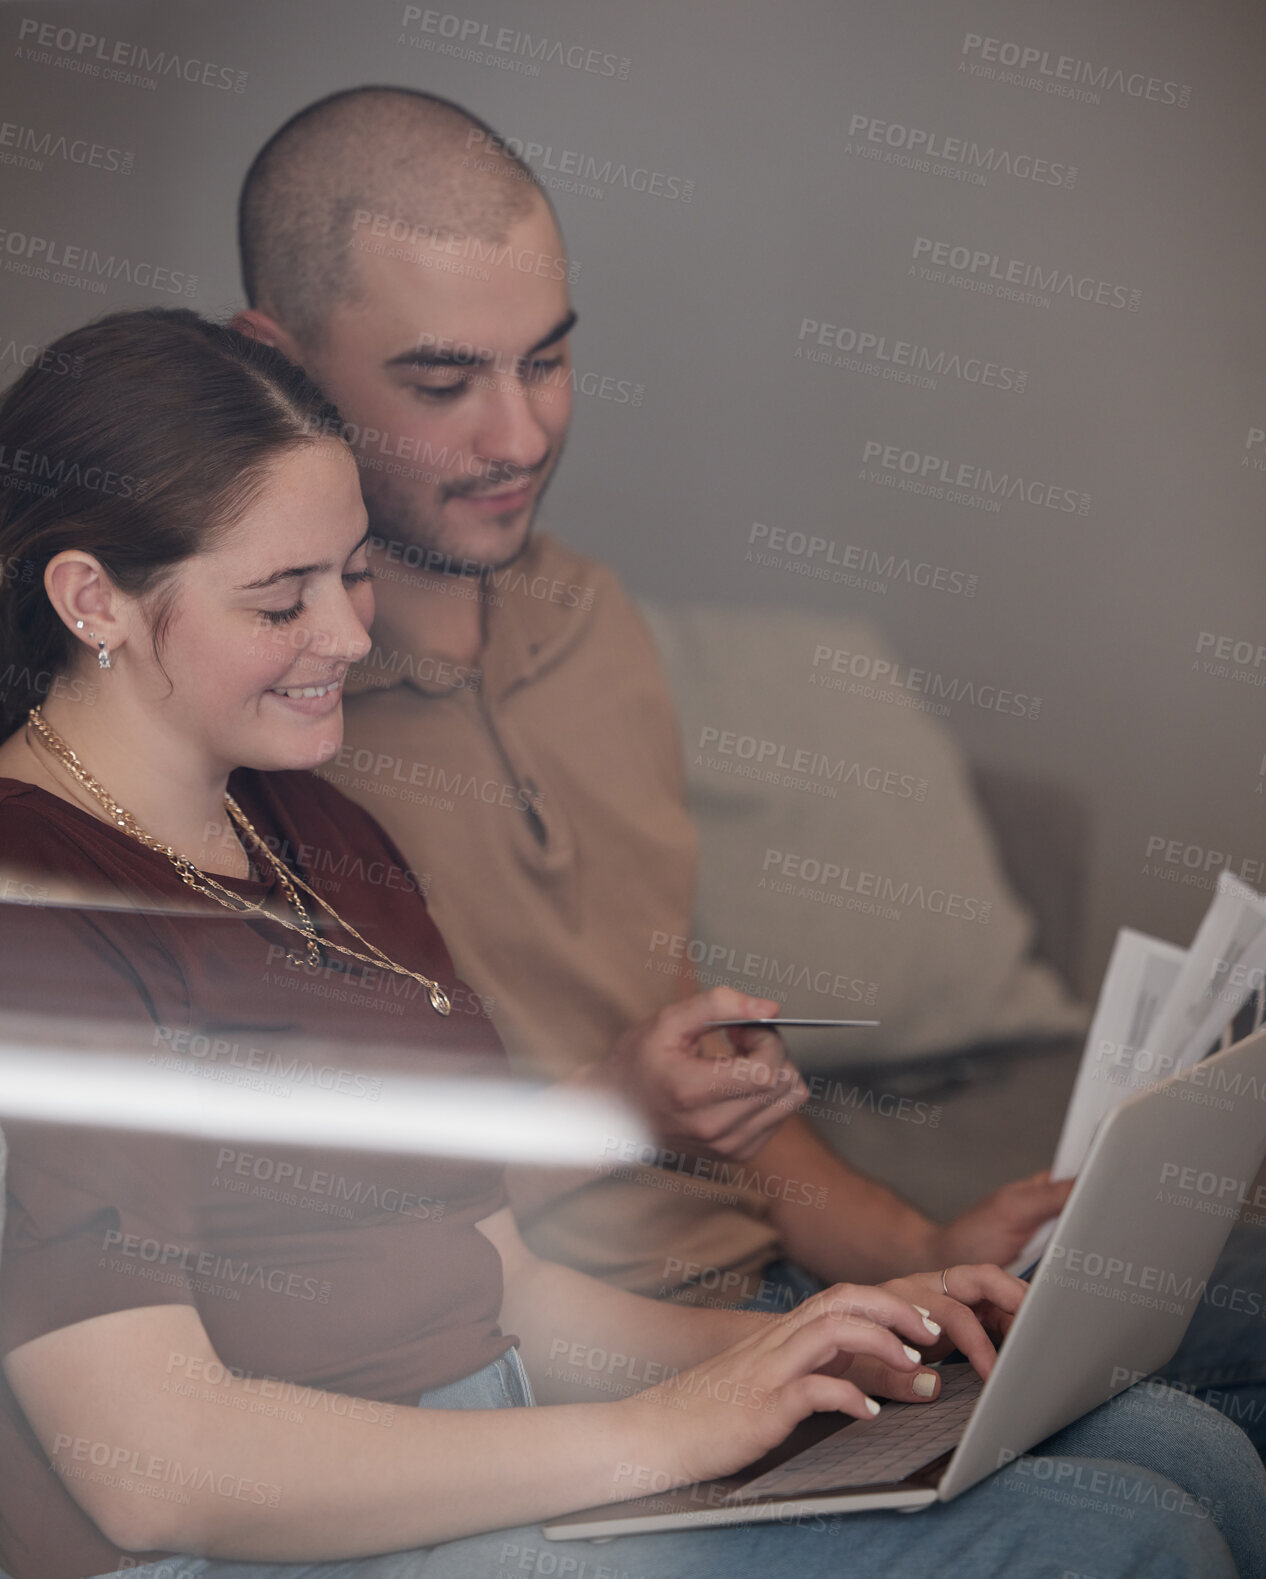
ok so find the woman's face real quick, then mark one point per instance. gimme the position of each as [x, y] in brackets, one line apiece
[264, 625]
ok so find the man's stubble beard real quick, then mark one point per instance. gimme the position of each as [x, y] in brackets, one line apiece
[393, 518]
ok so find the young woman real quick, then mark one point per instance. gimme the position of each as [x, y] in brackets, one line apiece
[218, 1367]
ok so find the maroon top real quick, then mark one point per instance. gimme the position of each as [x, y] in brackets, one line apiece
[356, 1273]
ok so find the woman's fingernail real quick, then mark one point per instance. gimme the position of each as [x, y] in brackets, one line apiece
[872, 1406]
[925, 1384]
[923, 1310]
[911, 1354]
[932, 1327]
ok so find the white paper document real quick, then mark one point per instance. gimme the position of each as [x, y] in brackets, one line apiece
[1223, 967]
[1118, 1058]
[1161, 1009]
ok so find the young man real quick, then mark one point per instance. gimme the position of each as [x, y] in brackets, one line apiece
[513, 731]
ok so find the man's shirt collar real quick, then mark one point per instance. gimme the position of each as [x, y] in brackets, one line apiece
[533, 610]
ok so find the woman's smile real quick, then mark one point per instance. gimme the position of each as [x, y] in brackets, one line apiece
[314, 700]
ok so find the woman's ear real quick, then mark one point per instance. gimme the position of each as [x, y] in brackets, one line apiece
[87, 602]
[258, 325]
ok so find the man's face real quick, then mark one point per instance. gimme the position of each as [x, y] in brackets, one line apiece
[454, 367]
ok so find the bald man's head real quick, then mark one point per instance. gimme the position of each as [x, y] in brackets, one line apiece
[395, 151]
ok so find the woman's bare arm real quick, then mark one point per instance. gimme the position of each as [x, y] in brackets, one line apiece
[581, 1339]
[161, 1458]
[166, 1451]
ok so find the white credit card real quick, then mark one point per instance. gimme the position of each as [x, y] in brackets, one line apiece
[778, 1024]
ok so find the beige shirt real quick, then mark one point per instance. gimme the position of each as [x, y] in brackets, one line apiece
[541, 797]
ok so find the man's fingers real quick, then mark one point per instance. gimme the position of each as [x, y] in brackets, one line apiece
[757, 1043]
[728, 1125]
[1039, 1196]
[725, 1127]
[742, 1139]
[758, 1056]
[690, 1018]
[781, 1099]
[746, 1139]
[1048, 1199]
[693, 1083]
[762, 1081]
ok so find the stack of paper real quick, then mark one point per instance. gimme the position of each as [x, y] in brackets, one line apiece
[1161, 1009]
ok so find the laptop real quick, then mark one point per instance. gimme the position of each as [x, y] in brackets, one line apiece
[1109, 1302]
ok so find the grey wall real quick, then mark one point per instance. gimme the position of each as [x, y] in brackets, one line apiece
[1153, 409]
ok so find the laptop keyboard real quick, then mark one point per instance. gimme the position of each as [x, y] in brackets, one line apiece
[901, 1439]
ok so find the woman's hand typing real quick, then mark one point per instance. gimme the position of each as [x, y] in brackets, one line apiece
[841, 1350]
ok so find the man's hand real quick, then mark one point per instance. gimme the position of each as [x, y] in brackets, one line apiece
[997, 1228]
[728, 1105]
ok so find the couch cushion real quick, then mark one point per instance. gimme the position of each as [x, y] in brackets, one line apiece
[846, 867]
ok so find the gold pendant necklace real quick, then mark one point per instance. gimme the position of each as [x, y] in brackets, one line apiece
[203, 883]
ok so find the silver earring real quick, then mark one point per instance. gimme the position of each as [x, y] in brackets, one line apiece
[103, 656]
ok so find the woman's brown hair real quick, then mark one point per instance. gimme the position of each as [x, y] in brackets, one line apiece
[136, 439]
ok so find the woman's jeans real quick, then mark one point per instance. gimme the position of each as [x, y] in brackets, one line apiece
[1154, 1485]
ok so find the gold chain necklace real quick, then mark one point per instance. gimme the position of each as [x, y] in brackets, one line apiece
[203, 883]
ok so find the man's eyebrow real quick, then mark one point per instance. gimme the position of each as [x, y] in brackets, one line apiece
[560, 332]
[294, 571]
[477, 356]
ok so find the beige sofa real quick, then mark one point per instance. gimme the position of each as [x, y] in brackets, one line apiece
[850, 860]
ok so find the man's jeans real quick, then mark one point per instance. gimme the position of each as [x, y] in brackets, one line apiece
[1222, 1358]
[1154, 1485]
